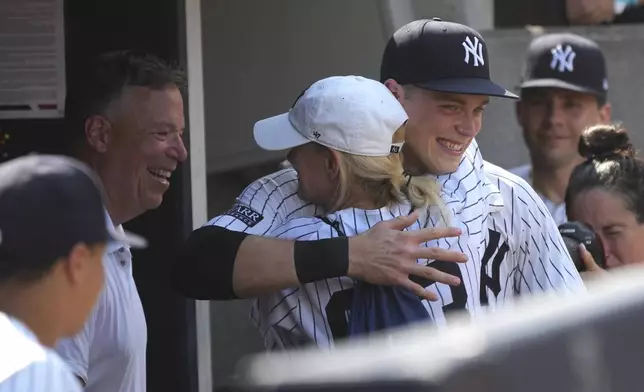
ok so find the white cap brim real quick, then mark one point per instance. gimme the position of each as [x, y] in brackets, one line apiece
[277, 133]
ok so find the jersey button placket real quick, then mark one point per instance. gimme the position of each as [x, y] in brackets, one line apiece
[121, 259]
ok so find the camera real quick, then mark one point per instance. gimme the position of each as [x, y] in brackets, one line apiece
[575, 233]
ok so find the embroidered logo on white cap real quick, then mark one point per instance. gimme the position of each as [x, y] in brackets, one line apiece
[351, 114]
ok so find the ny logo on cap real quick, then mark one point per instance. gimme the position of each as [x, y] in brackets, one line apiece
[475, 49]
[563, 57]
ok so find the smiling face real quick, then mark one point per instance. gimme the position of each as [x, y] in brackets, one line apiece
[440, 127]
[553, 120]
[618, 227]
[138, 148]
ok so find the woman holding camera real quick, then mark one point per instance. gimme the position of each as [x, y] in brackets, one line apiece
[606, 192]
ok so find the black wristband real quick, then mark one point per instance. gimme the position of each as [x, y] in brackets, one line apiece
[321, 259]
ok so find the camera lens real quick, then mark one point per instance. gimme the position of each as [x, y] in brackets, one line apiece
[576, 233]
[573, 248]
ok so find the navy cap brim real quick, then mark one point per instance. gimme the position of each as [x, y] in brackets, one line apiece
[557, 83]
[132, 240]
[474, 86]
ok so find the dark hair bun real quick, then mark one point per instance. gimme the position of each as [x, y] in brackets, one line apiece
[602, 142]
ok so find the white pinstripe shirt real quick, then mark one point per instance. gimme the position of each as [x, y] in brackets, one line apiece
[317, 313]
[512, 243]
[28, 366]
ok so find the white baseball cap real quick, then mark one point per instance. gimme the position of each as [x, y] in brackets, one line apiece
[351, 114]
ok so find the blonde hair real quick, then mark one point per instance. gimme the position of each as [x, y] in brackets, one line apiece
[383, 178]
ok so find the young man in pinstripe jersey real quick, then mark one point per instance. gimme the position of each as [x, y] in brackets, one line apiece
[439, 72]
[519, 246]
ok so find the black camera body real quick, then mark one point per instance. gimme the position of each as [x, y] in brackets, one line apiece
[575, 233]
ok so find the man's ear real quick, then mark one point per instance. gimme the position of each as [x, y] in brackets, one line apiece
[75, 264]
[396, 89]
[606, 113]
[97, 132]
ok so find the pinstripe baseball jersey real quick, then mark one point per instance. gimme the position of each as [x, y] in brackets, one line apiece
[511, 258]
[28, 366]
[512, 243]
[316, 313]
[266, 204]
[535, 257]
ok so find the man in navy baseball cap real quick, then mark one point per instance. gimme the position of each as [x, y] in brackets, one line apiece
[438, 69]
[564, 90]
[567, 61]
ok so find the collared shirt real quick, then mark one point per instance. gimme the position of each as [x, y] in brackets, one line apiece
[109, 352]
[28, 366]
[557, 210]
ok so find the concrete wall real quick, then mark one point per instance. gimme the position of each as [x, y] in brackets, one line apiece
[259, 55]
[479, 14]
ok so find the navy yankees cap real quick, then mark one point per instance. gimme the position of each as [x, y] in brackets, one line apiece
[48, 204]
[440, 56]
[566, 61]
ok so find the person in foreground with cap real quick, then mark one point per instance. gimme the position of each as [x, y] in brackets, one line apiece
[563, 92]
[52, 238]
[344, 135]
